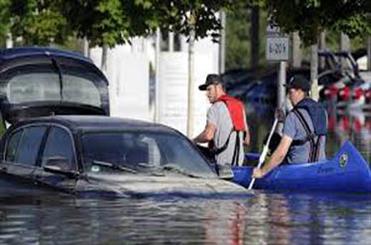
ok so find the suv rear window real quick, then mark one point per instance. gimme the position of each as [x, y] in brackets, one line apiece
[45, 86]
[41, 83]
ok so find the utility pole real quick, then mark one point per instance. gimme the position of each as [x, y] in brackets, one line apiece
[296, 55]
[191, 85]
[86, 47]
[157, 78]
[171, 41]
[369, 53]
[314, 71]
[222, 43]
[344, 46]
[277, 49]
[281, 82]
[322, 46]
[9, 40]
[104, 58]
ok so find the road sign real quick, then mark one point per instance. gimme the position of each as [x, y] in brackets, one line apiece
[277, 48]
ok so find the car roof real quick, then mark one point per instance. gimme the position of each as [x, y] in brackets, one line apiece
[14, 53]
[98, 123]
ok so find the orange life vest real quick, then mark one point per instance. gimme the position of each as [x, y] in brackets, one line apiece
[236, 111]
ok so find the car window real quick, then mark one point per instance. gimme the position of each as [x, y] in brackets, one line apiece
[29, 144]
[81, 90]
[59, 145]
[12, 146]
[33, 87]
[41, 82]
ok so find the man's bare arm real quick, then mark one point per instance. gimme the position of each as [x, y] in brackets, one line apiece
[276, 159]
[247, 136]
[206, 135]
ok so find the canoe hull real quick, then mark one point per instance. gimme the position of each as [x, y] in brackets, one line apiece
[347, 171]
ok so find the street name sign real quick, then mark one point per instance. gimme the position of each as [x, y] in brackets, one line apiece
[277, 46]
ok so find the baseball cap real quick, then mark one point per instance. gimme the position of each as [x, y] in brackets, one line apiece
[298, 82]
[210, 79]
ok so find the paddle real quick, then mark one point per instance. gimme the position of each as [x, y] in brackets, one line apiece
[265, 151]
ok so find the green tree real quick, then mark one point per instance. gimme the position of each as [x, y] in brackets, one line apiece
[4, 19]
[110, 22]
[102, 22]
[106, 22]
[310, 17]
[237, 36]
[37, 22]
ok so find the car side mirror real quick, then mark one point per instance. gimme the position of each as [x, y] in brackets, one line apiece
[59, 165]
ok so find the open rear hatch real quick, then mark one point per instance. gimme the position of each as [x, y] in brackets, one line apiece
[41, 82]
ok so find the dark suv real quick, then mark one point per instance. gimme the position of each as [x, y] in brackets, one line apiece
[43, 81]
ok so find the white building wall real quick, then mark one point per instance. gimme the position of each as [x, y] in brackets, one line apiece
[128, 75]
[173, 85]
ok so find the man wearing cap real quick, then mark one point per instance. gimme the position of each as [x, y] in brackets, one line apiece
[226, 128]
[304, 133]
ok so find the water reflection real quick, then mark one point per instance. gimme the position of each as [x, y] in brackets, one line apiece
[224, 223]
[296, 218]
[69, 220]
[265, 218]
[353, 125]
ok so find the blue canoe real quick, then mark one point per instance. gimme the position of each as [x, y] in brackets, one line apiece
[347, 171]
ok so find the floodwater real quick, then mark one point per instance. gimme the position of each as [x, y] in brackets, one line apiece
[47, 217]
[265, 218]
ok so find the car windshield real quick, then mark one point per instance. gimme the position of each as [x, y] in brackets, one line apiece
[144, 152]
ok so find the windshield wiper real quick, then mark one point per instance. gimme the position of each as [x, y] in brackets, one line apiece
[113, 166]
[176, 169]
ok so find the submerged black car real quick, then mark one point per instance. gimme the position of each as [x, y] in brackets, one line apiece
[61, 136]
[102, 155]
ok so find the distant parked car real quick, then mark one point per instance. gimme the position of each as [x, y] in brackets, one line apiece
[239, 89]
[345, 87]
[352, 94]
[366, 75]
[264, 89]
[236, 77]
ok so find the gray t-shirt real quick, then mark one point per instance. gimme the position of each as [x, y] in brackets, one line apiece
[295, 130]
[218, 115]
